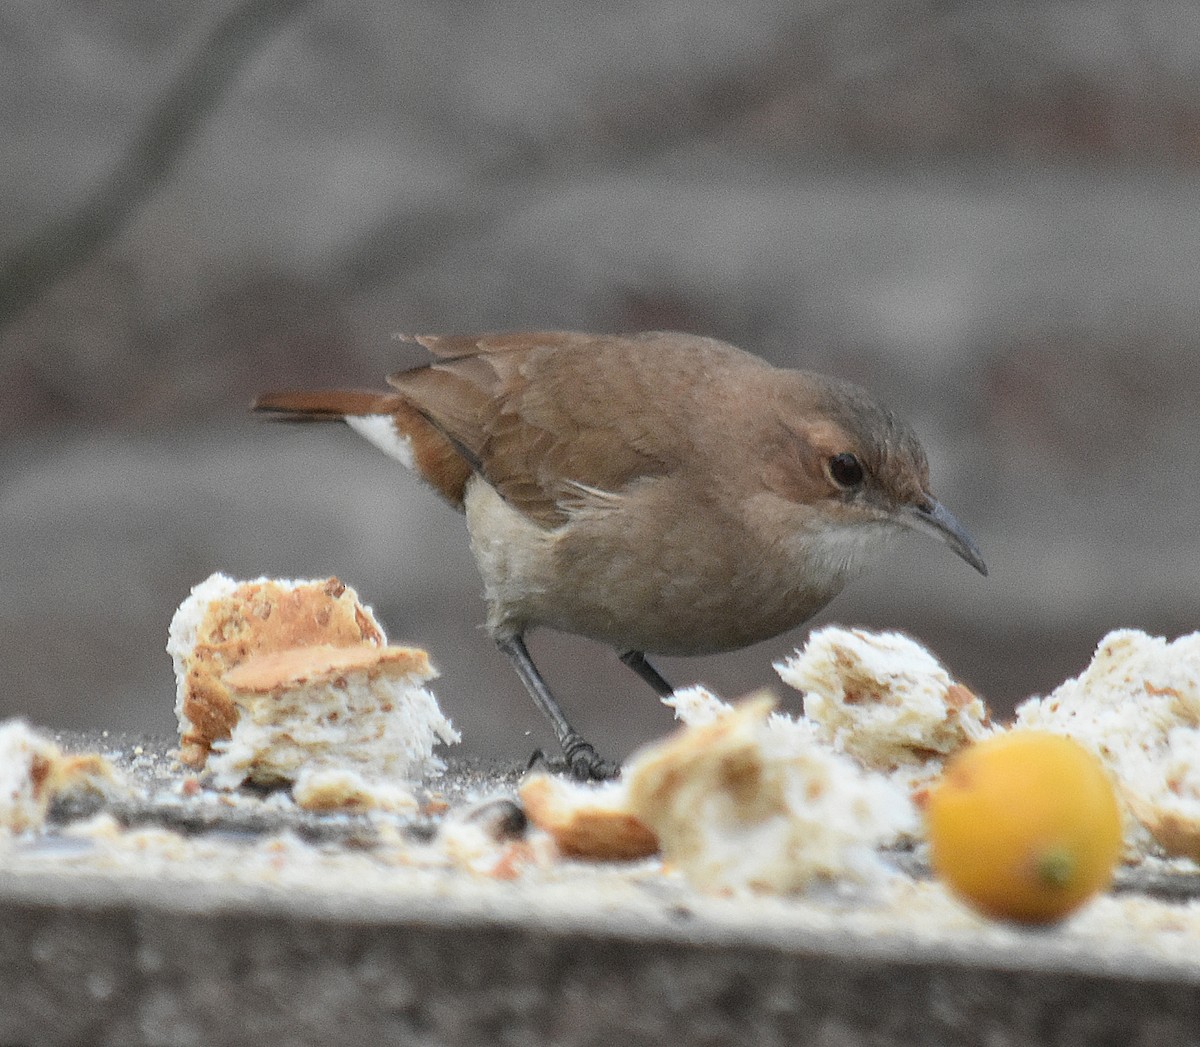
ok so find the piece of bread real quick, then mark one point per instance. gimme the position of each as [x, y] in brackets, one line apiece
[1164, 795]
[1137, 707]
[276, 677]
[34, 771]
[323, 708]
[748, 801]
[590, 822]
[223, 622]
[342, 789]
[885, 700]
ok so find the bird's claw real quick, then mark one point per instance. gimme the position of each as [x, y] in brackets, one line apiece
[580, 760]
[586, 765]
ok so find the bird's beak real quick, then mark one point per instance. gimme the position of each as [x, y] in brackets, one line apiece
[936, 520]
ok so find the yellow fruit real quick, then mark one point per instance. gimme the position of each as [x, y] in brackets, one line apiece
[1024, 826]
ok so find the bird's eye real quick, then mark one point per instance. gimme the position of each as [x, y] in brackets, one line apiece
[846, 470]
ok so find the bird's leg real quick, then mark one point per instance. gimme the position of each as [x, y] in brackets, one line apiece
[636, 660]
[582, 759]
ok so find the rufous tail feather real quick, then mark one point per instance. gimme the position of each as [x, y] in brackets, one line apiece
[407, 435]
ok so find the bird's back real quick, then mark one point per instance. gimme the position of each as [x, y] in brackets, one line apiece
[540, 415]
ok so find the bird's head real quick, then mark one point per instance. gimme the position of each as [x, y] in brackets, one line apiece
[858, 471]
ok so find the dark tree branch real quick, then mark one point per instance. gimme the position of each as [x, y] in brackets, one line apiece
[65, 245]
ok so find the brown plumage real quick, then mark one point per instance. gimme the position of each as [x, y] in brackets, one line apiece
[657, 492]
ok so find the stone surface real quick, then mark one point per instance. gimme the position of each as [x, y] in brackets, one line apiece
[99, 966]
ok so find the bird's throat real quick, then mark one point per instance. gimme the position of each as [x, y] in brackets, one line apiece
[834, 555]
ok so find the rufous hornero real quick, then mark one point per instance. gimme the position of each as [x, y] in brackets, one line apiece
[660, 493]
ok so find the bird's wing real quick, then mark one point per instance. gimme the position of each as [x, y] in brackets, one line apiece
[544, 416]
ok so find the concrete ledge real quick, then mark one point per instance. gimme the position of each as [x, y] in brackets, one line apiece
[86, 959]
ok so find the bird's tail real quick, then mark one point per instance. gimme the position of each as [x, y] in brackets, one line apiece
[388, 421]
[326, 405]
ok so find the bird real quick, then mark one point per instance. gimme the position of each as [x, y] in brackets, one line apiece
[660, 493]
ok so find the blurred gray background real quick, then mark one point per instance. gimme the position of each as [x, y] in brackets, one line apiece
[989, 214]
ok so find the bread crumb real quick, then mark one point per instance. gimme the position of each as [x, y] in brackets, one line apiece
[473, 846]
[339, 789]
[695, 706]
[34, 772]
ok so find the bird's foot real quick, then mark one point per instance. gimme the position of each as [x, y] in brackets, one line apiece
[587, 765]
[580, 760]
